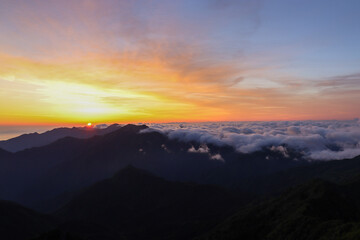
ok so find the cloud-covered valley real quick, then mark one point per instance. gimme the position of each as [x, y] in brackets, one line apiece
[315, 140]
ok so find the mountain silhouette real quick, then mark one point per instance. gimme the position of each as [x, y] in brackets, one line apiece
[69, 164]
[138, 205]
[316, 210]
[31, 140]
[46, 177]
[133, 204]
[18, 223]
[136, 183]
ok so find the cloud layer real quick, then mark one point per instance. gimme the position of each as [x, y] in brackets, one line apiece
[316, 140]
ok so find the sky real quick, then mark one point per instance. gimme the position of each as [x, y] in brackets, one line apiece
[72, 62]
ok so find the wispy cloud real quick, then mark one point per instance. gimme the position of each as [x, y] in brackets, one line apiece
[348, 81]
[153, 61]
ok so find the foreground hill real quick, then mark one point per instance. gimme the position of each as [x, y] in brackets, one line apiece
[133, 204]
[313, 211]
[36, 140]
[137, 205]
[19, 223]
[57, 234]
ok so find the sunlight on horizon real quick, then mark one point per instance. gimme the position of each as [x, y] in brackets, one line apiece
[112, 62]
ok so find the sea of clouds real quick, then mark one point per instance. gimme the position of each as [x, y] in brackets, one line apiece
[316, 140]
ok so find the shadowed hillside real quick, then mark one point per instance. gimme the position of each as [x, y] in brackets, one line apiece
[333, 171]
[19, 223]
[138, 205]
[316, 210]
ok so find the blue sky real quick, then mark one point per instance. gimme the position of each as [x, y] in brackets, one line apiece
[223, 59]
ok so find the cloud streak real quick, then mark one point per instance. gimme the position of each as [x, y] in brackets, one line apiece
[121, 61]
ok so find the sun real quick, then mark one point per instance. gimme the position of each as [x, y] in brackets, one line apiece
[89, 124]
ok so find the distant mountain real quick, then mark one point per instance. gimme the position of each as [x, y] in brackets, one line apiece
[69, 164]
[135, 204]
[316, 210]
[19, 223]
[36, 140]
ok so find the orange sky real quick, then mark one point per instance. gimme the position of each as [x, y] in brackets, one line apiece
[73, 63]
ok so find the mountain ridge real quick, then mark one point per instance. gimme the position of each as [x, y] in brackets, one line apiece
[35, 139]
[136, 197]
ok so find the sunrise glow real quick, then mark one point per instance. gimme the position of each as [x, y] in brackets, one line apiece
[63, 62]
[179, 119]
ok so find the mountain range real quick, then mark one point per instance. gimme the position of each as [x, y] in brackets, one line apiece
[35, 139]
[69, 164]
[135, 183]
[133, 204]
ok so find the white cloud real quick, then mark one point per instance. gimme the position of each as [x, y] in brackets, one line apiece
[101, 126]
[202, 149]
[217, 157]
[280, 149]
[318, 140]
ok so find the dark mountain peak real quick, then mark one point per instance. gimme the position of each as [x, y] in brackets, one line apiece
[129, 168]
[31, 140]
[164, 209]
[133, 127]
[131, 172]
[128, 129]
